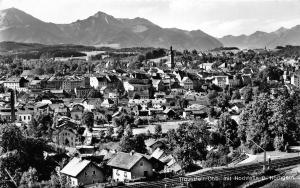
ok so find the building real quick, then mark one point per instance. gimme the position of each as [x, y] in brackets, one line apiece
[19, 84]
[81, 172]
[77, 111]
[82, 92]
[65, 137]
[295, 79]
[25, 116]
[187, 83]
[70, 83]
[221, 81]
[129, 166]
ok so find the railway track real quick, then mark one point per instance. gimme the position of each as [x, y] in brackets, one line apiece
[215, 174]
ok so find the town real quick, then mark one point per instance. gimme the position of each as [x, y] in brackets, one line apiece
[114, 117]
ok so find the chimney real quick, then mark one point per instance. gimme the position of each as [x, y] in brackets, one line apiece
[132, 152]
[12, 106]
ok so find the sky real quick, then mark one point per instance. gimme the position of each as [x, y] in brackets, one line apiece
[215, 17]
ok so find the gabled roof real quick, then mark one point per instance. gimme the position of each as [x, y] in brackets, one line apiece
[125, 160]
[75, 166]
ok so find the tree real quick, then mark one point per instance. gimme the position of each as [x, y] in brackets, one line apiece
[227, 129]
[223, 101]
[267, 119]
[126, 144]
[11, 138]
[248, 95]
[189, 142]
[128, 131]
[158, 130]
[139, 143]
[120, 131]
[236, 95]
[110, 132]
[30, 177]
[88, 119]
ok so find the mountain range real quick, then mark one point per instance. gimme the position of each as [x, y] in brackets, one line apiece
[100, 29]
[259, 39]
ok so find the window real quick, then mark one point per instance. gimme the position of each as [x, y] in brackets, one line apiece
[141, 163]
[117, 173]
[85, 173]
[94, 172]
[125, 174]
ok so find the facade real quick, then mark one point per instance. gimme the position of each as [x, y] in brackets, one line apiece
[65, 137]
[82, 92]
[187, 83]
[295, 79]
[77, 112]
[81, 172]
[19, 84]
[129, 166]
[25, 116]
[221, 81]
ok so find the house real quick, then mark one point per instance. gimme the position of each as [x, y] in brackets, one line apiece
[81, 172]
[60, 109]
[82, 92]
[65, 137]
[16, 83]
[159, 153]
[237, 107]
[114, 95]
[54, 83]
[25, 115]
[295, 79]
[187, 83]
[129, 166]
[152, 144]
[109, 81]
[107, 103]
[77, 111]
[59, 93]
[221, 81]
[70, 83]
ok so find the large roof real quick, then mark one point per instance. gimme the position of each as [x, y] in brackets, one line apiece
[125, 160]
[75, 166]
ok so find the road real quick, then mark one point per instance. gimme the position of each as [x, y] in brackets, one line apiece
[216, 173]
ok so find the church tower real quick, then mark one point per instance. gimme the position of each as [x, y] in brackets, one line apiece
[172, 58]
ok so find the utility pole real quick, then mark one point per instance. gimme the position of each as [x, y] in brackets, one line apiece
[265, 156]
[11, 178]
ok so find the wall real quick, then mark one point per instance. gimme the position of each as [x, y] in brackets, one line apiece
[88, 179]
[138, 171]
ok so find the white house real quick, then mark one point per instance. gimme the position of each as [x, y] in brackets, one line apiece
[128, 166]
[81, 172]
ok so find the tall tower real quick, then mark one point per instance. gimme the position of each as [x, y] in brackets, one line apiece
[12, 106]
[172, 58]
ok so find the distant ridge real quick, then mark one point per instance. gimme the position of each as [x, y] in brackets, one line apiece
[260, 39]
[100, 29]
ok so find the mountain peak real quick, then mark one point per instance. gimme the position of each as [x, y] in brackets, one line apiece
[12, 10]
[281, 29]
[13, 17]
[100, 14]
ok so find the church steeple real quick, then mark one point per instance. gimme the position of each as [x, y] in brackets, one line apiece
[172, 58]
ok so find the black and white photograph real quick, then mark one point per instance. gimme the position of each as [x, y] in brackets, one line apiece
[150, 93]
